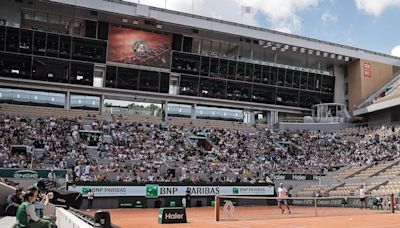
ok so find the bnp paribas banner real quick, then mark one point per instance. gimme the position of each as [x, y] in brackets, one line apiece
[155, 191]
[29, 173]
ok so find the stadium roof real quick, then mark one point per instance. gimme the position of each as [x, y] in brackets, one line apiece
[211, 24]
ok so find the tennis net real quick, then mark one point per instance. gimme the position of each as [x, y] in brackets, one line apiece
[244, 208]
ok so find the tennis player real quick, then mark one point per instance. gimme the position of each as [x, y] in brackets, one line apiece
[363, 196]
[282, 195]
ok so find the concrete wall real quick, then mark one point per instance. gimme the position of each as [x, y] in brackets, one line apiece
[313, 126]
[360, 87]
[339, 85]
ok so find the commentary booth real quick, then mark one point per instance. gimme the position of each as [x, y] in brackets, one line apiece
[157, 195]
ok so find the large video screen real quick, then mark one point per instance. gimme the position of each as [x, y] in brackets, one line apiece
[139, 47]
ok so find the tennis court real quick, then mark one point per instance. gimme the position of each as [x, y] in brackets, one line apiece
[255, 217]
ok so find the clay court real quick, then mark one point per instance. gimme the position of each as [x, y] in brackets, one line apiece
[249, 217]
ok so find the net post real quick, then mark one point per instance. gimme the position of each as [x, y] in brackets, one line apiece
[392, 202]
[217, 206]
[315, 206]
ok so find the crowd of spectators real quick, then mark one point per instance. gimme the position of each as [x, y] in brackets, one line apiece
[142, 152]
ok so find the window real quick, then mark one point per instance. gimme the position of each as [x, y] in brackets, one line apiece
[189, 85]
[311, 81]
[164, 83]
[249, 72]
[212, 88]
[214, 68]
[32, 97]
[232, 69]
[328, 84]
[89, 50]
[12, 42]
[185, 63]
[15, 66]
[196, 45]
[281, 77]
[127, 78]
[52, 45]
[303, 80]
[257, 73]
[205, 66]
[98, 76]
[2, 38]
[264, 94]
[223, 68]
[240, 71]
[205, 47]
[25, 44]
[308, 99]
[81, 73]
[39, 43]
[265, 74]
[238, 91]
[111, 77]
[45, 69]
[65, 47]
[149, 81]
[85, 102]
[288, 97]
[296, 79]
[273, 76]
[215, 48]
[289, 78]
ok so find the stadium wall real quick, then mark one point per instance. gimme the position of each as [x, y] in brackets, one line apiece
[339, 85]
[364, 78]
[313, 126]
[66, 219]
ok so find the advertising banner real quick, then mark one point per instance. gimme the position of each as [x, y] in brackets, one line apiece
[138, 47]
[155, 191]
[300, 177]
[29, 173]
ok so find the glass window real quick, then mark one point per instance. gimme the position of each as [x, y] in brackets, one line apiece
[79, 27]
[296, 79]
[238, 91]
[245, 53]
[289, 78]
[179, 110]
[2, 38]
[39, 97]
[25, 44]
[46, 69]
[214, 68]
[264, 94]
[303, 80]
[81, 73]
[311, 81]
[196, 45]
[328, 84]
[6, 95]
[56, 99]
[149, 81]
[225, 50]
[288, 97]
[15, 66]
[66, 23]
[12, 41]
[111, 77]
[318, 82]
[89, 50]
[42, 98]
[127, 78]
[257, 73]
[40, 16]
[240, 71]
[21, 96]
[205, 66]
[232, 69]
[281, 77]
[185, 63]
[223, 68]
[308, 99]
[65, 47]
[52, 45]
[249, 72]
[85, 102]
[265, 74]
[164, 82]
[215, 48]
[205, 47]
[189, 85]
[212, 88]
[273, 76]
[39, 43]
[233, 51]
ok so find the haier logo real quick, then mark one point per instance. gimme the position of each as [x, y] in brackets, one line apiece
[173, 216]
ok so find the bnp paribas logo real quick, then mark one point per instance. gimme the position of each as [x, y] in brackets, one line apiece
[152, 191]
[235, 190]
[85, 190]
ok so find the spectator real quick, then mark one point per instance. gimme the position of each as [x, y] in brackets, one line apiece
[13, 202]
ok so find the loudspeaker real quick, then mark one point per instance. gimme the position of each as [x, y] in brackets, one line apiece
[68, 198]
[103, 219]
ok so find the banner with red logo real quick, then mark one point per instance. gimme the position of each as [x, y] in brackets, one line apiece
[138, 47]
[367, 70]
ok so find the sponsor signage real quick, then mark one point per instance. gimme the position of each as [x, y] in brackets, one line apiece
[29, 173]
[299, 177]
[172, 215]
[367, 70]
[155, 191]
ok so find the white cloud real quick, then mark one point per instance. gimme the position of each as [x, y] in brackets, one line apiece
[327, 18]
[376, 7]
[396, 51]
[283, 15]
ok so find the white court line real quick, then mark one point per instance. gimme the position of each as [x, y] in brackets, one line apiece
[387, 225]
[224, 224]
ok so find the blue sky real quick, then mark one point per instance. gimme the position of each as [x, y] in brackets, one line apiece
[367, 24]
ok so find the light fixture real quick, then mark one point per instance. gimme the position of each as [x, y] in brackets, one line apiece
[269, 43]
[159, 26]
[286, 46]
[283, 49]
[125, 20]
[326, 54]
[310, 51]
[274, 48]
[135, 22]
[332, 56]
[317, 53]
[346, 58]
[294, 48]
[340, 57]
[302, 50]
